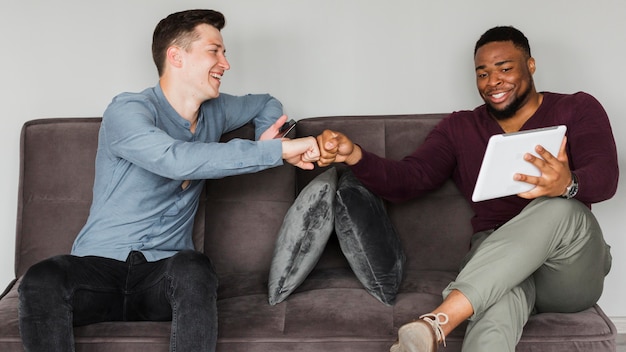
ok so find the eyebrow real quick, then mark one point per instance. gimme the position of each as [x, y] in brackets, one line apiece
[498, 64]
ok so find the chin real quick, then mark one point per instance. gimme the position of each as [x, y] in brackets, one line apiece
[509, 110]
[213, 95]
[502, 114]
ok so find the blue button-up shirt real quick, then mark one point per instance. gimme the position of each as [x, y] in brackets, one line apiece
[146, 152]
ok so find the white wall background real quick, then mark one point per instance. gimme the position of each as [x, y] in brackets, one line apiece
[320, 57]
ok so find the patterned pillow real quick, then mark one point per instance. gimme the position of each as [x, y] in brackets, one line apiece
[302, 236]
[368, 239]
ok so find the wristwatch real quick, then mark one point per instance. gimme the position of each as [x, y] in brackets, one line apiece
[572, 189]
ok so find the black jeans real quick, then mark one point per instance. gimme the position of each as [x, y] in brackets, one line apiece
[65, 291]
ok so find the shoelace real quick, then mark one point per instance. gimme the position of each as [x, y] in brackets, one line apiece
[436, 320]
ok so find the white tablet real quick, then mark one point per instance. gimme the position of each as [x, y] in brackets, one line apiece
[504, 158]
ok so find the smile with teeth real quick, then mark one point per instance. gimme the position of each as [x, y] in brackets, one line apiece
[498, 97]
[217, 76]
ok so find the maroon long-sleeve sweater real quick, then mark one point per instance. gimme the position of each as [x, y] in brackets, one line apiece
[455, 148]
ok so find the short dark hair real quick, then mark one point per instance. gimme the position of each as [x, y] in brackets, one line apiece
[179, 28]
[504, 34]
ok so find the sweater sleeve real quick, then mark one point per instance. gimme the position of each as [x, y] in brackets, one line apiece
[591, 149]
[426, 169]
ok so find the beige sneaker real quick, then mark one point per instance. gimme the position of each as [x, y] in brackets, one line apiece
[422, 335]
[396, 347]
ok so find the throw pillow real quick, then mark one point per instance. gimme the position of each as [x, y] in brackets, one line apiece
[302, 236]
[368, 239]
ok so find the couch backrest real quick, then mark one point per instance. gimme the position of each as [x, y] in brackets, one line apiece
[55, 186]
[57, 158]
[244, 214]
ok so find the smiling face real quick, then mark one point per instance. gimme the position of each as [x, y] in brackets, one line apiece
[203, 63]
[504, 78]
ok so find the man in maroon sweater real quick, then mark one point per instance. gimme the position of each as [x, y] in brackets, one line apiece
[538, 251]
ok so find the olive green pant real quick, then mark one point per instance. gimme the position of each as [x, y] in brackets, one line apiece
[550, 258]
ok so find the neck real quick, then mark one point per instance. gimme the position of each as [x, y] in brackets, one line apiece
[184, 104]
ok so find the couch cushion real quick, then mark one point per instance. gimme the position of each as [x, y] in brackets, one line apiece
[302, 236]
[368, 239]
[588, 331]
[302, 323]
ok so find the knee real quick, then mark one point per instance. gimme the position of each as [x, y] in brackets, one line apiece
[576, 213]
[192, 268]
[44, 278]
[561, 207]
[565, 211]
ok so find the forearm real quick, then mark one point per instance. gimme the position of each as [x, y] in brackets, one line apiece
[269, 113]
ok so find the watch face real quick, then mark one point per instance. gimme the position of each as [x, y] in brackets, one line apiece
[573, 188]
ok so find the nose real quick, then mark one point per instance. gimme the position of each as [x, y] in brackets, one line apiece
[224, 63]
[494, 80]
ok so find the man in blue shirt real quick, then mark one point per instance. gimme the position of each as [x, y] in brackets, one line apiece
[134, 259]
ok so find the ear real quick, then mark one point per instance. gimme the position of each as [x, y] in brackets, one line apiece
[174, 56]
[531, 65]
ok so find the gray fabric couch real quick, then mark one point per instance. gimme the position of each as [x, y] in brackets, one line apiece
[237, 224]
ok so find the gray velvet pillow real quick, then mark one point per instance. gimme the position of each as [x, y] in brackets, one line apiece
[368, 239]
[302, 236]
